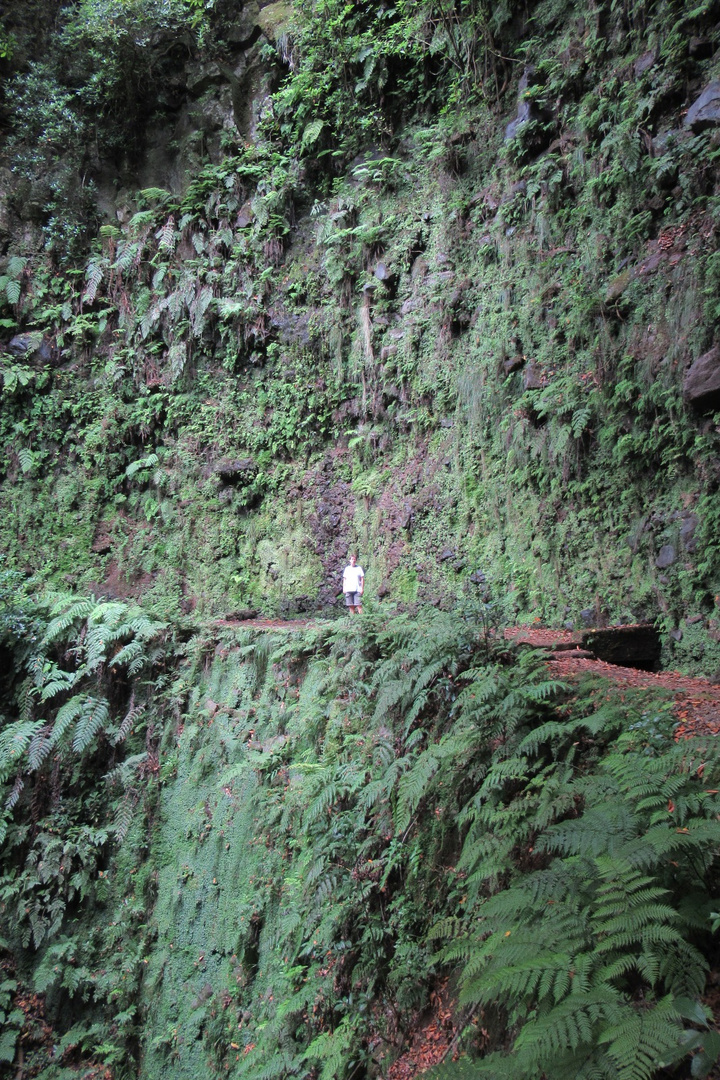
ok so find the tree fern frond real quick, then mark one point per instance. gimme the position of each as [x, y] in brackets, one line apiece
[641, 1041]
[66, 717]
[92, 719]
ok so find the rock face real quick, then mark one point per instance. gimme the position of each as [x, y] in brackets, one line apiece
[702, 381]
[629, 646]
[666, 557]
[687, 533]
[32, 346]
[705, 112]
[236, 471]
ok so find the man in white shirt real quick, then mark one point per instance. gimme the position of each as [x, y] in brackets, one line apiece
[353, 584]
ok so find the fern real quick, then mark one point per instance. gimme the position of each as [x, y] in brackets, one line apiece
[93, 717]
[13, 290]
[156, 194]
[140, 220]
[147, 462]
[311, 133]
[167, 236]
[128, 720]
[643, 1040]
[198, 309]
[413, 786]
[27, 459]
[15, 738]
[580, 420]
[93, 279]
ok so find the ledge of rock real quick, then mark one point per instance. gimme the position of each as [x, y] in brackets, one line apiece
[635, 646]
[705, 111]
[234, 471]
[702, 381]
[629, 646]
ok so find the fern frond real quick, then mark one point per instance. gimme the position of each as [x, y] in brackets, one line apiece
[92, 719]
[642, 1040]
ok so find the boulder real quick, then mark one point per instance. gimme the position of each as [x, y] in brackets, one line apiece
[704, 113]
[201, 77]
[618, 286]
[246, 216]
[33, 346]
[532, 378]
[102, 544]
[513, 363]
[666, 557]
[273, 19]
[644, 62]
[240, 471]
[687, 533]
[702, 381]
[242, 614]
[701, 47]
[23, 344]
[419, 268]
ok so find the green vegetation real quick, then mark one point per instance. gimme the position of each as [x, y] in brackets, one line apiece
[422, 279]
[323, 824]
[513, 378]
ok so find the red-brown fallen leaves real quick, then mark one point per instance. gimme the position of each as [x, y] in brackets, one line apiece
[696, 701]
[431, 1043]
[37, 1039]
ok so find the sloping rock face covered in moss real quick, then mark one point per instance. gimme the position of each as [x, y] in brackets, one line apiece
[484, 327]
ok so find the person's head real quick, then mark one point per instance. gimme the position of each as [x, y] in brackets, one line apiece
[353, 558]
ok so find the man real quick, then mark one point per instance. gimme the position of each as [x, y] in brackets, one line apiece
[353, 584]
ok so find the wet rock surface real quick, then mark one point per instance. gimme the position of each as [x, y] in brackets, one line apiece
[629, 646]
[704, 113]
[701, 386]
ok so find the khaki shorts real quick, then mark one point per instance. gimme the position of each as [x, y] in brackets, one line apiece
[353, 599]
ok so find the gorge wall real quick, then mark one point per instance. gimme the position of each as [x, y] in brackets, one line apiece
[430, 281]
[476, 341]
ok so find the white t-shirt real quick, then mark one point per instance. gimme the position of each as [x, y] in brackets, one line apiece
[352, 578]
